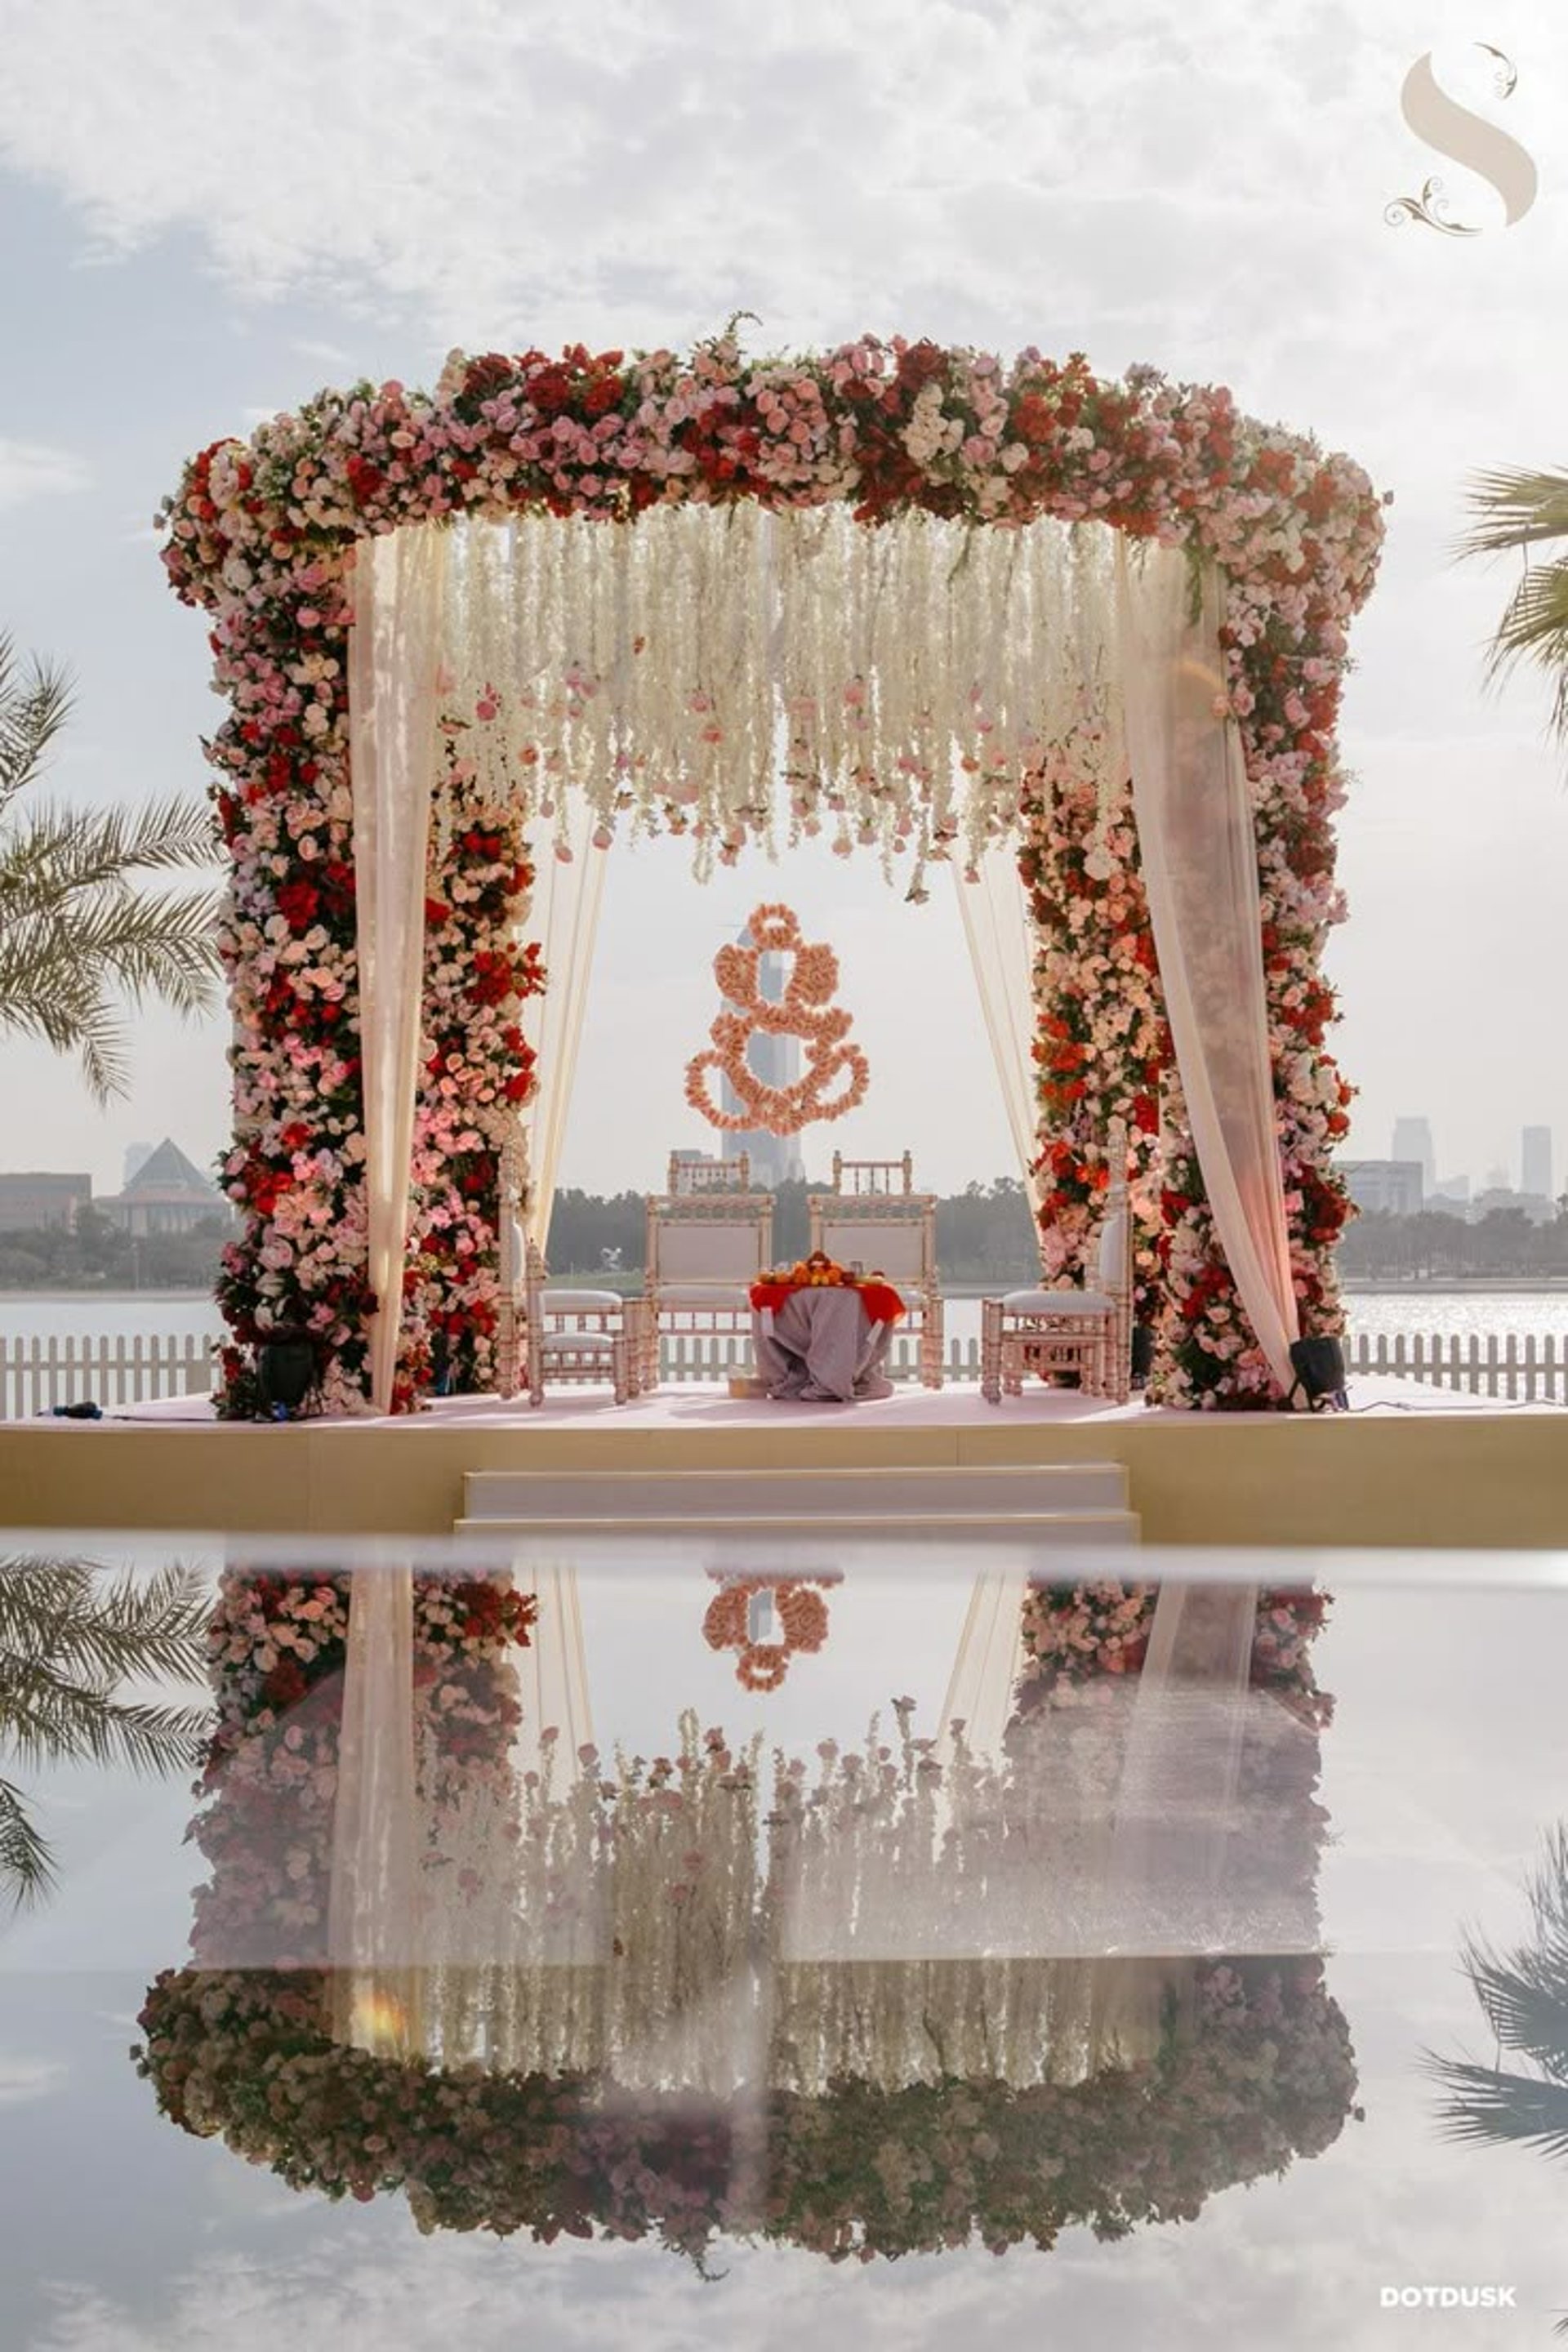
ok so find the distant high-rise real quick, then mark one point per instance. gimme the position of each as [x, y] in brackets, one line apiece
[776, 1159]
[1535, 1162]
[1413, 1141]
[137, 1155]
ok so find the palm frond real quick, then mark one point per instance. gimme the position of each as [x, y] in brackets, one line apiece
[1489, 2103]
[1515, 506]
[45, 1719]
[62, 970]
[1547, 1888]
[65, 849]
[1516, 509]
[34, 707]
[1525, 1999]
[152, 1625]
[71, 1018]
[1534, 624]
[26, 1860]
[78, 929]
[72, 1642]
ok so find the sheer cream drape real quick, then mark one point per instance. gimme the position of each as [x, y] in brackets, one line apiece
[1001, 940]
[394, 647]
[378, 1852]
[563, 919]
[1193, 810]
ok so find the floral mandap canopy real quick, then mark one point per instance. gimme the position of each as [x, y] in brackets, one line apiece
[1008, 618]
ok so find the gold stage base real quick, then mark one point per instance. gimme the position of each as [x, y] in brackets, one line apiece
[1466, 1478]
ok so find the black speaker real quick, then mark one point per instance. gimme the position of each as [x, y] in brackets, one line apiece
[285, 1368]
[1142, 1353]
[1320, 1369]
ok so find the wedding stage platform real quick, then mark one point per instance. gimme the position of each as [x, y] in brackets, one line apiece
[1408, 1465]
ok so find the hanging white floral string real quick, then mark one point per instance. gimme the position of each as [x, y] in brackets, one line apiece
[897, 683]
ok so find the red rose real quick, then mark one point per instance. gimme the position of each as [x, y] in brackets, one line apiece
[285, 1684]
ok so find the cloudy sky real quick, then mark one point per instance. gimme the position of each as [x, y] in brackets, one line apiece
[210, 212]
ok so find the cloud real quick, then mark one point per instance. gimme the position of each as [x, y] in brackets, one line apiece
[32, 469]
[989, 169]
[23, 2079]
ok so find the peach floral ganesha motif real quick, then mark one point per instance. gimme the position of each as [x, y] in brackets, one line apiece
[789, 1609]
[806, 1010]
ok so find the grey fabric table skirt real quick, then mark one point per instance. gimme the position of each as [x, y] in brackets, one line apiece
[822, 1348]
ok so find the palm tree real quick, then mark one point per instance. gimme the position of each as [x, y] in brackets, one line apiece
[1520, 509]
[1524, 1996]
[78, 932]
[69, 1642]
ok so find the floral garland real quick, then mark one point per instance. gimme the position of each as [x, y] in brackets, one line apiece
[801, 1615]
[1265, 2077]
[261, 534]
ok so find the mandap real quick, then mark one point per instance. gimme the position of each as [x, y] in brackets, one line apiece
[1083, 642]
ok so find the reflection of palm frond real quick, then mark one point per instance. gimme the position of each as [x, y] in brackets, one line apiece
[1524, 1996]
[68, 1643]
[1485, 2104]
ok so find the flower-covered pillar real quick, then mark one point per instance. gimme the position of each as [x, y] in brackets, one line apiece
[1102, 1049]
[286, 938]
[478, 1073]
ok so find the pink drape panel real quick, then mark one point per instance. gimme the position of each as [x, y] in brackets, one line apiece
[394, 663]
[1194, 814]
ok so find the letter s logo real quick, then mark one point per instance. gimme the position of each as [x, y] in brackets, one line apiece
[1469, 138]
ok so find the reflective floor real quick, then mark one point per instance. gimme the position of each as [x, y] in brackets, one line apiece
[698, 1940]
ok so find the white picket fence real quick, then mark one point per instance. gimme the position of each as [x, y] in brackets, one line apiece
[1528, 1371]
[38, 1374]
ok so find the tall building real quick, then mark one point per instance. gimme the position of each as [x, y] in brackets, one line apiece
[1535, 1162]
[776, 1159]
[1384, 1188]
[1413, 1141]
[137, 1155]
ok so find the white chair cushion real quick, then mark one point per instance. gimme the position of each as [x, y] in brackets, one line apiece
[580, 1302]
[690, 1294]
[1059, 1302]
[577, 1343]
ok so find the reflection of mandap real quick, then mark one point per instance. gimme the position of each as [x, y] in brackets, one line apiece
[784, 2094]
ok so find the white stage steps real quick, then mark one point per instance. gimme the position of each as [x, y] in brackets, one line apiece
[1070, 1501]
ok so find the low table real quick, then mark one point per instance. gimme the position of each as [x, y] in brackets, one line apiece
[819, 1346]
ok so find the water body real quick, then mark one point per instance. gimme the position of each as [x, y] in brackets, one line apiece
[1518, 1314]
